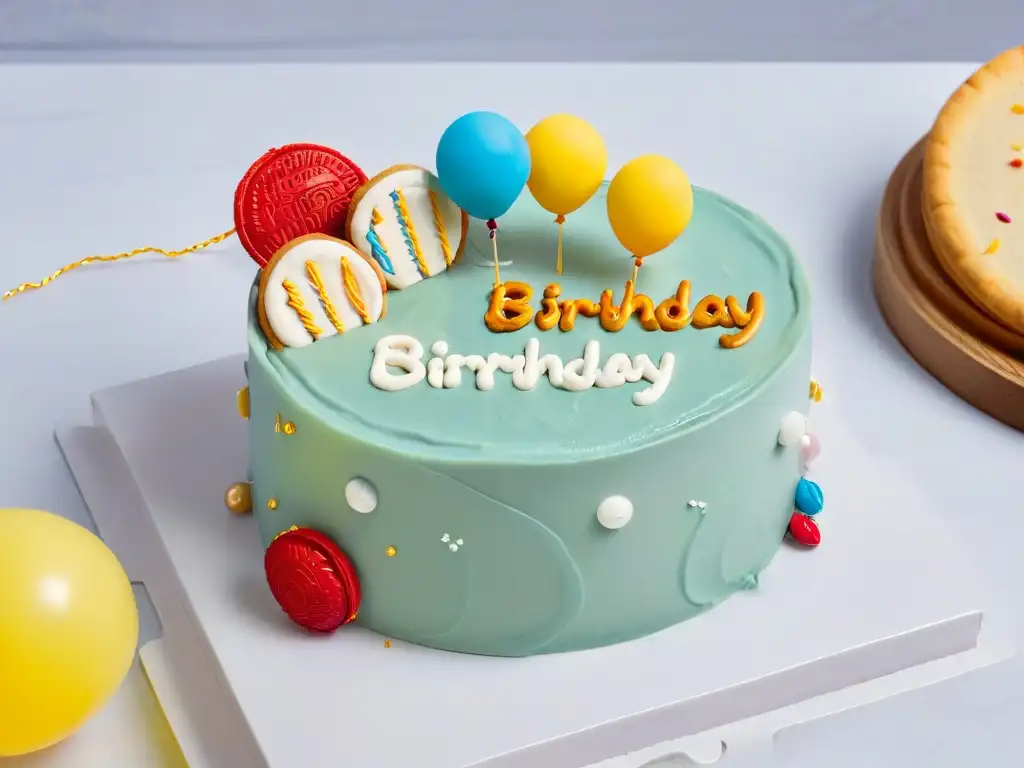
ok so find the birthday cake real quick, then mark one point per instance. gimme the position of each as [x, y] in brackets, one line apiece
[477, 429]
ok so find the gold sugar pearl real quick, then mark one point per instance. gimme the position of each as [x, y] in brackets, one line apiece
[387, 643]
[289, 428]
[271, 503]
[238, 498]
[390, 551]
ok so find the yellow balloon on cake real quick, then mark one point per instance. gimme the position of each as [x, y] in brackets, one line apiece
[567, 164]
[650, 203]
[68, 628]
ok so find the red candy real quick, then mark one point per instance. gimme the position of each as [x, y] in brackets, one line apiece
[312, 580]
[804, 531]
[296, 190]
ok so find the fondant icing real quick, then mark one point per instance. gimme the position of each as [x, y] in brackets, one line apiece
[491, 504]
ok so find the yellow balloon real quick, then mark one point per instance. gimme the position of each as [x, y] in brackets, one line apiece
[567, 162]
[68, 628]
[650, 203]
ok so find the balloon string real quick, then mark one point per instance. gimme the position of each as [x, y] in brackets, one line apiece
[560, 220]
[117, 257]
[497, 268]
[637, 263]
[492, 232]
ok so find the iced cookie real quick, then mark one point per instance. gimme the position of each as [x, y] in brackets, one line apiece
[974, 188]
[295, 190]
[404, 221]
[318, 286]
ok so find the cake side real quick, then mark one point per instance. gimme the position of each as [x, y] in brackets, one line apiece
[512, 559]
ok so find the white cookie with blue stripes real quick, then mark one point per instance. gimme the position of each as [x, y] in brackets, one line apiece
[403, 220]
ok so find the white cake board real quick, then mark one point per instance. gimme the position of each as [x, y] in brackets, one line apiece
[886, 604]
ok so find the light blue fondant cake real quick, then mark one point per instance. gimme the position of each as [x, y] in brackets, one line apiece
[520, 512]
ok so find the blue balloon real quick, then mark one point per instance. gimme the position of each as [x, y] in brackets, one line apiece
[483, 162]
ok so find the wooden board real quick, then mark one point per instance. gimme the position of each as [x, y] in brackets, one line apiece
[975, 357]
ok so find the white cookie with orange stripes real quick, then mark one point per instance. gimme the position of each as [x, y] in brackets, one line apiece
[318, 286]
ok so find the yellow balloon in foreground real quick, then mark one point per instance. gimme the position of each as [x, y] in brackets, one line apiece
[68, 628]
[650, 203]
[567, 162]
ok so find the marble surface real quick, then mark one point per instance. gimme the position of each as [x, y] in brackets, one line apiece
[108, 158]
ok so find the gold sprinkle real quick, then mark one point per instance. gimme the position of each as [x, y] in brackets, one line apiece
[1017, 109]
[354, 616]
[992, 248]
[1017, 147]
[387, 643]
[815, 391]
[289, 428]
[282, 533]
[271, 503]
[390, 551]
[243, 402]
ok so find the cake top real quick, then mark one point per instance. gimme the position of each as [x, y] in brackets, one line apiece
[726, 251]
[974, 188]
[457, 316]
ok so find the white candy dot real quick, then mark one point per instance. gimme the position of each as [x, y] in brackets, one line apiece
[792, 428]
[361, 495]
[614, 512]
[439, 348]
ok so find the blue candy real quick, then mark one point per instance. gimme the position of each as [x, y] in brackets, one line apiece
[809, 498]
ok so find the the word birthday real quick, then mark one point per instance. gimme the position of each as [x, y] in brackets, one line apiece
[510, 310]
[444, 369]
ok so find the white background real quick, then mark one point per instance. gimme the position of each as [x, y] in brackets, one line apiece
[100, 159]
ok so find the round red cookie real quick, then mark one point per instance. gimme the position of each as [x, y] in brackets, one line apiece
[295, 190]
[312, 580]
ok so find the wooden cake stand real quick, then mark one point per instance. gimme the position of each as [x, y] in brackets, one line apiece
[978, 359]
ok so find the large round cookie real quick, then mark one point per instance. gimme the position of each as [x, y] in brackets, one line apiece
[974, 188]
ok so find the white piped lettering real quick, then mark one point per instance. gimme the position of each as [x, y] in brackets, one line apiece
[444, 370]
[403, 352]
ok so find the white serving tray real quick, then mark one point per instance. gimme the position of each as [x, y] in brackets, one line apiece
[888, 603]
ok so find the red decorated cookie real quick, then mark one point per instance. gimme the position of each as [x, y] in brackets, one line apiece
[296, 190]
[312, 580]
